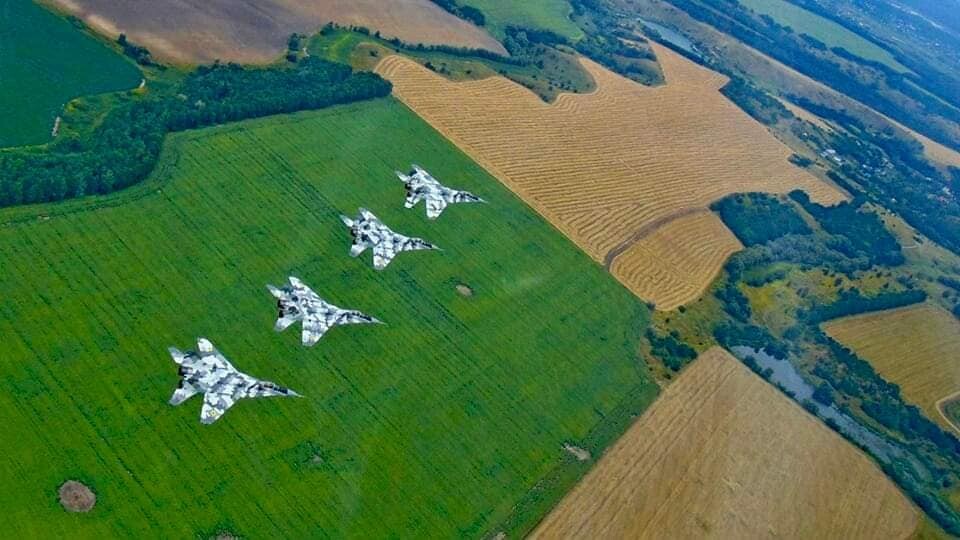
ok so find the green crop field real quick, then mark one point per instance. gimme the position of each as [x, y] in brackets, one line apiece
[438, 423]
[825, 30]
[551, 15]
[44, 62]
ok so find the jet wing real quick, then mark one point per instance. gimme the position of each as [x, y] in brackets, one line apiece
[283, 323]
[435, 207]
[184, 392]
[215, 403]
[314, 327]
[368, 215]
[302, 290]
[358, 248]
[412, 198]
[227, 391]
[383, 253]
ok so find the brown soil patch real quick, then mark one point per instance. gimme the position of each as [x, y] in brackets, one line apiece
[249, 31]
[604, 165]
[722, 454]
[76, 497]
[917, 348]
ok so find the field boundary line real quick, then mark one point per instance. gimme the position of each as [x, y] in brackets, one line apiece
[647, 229]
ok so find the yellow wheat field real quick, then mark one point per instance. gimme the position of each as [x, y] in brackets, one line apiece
[917, 348]
[722, 454]
[604, 166]
[673, 281]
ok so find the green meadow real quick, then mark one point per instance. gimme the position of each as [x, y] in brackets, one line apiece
[45, 61]
[553, 15]
[825, 30]
[447, 421]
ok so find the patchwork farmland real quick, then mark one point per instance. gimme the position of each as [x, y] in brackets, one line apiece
[723, 454]
[436, 423]
[188, 32]
[624, 160]
[917, 348]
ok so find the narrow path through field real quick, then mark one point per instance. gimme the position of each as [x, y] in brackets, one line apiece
[946, 418]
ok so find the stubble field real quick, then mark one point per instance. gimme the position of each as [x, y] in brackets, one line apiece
[436, 423]
[917, 348]
[608, 167]
[722, 454]
[188, 32]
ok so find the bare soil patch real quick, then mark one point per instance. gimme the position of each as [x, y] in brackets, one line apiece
[464, 290]
[76, 497]
[256, 31]
[722, 454]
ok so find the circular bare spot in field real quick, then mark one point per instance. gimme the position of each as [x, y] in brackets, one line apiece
[76, 497]
[464, 290]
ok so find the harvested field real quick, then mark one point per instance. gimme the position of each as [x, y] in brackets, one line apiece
[606, 165]
[723, 454]
[187, 31]
[689, 252]
[917, 348]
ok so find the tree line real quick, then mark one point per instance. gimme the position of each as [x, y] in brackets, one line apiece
[124, 148]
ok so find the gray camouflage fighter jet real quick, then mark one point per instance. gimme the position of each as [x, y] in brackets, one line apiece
[422, 186]
[297, 302]
[368, 231]
[207, 371]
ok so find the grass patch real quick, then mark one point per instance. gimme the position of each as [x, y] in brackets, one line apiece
[553, 15]
[825, 30]
[438, 423]
[46, 61]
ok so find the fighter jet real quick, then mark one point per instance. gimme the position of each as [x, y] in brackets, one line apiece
[421, 185]
[209, 372]
[297, 302]
[368, 231]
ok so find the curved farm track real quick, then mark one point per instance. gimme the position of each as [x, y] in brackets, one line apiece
[613, 167]
[676, 261]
